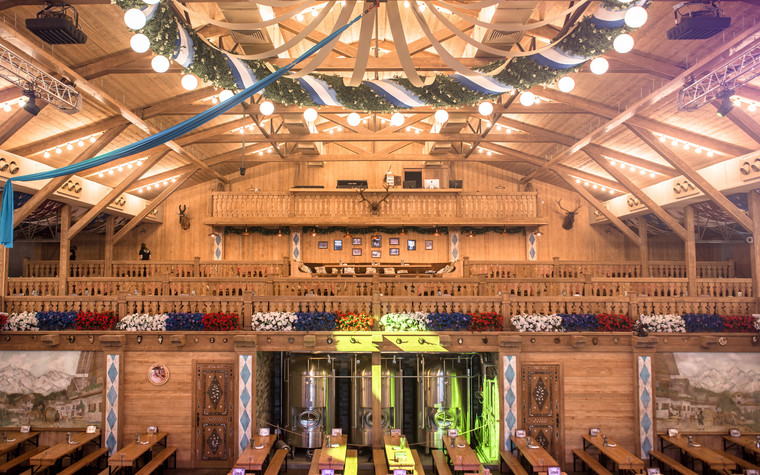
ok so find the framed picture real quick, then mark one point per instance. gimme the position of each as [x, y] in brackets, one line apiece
[337, 432]
[377, 254]
[453, 432]
[653, 471]
[554, 470]
[411, 245]
[238, 471]
[519, 433]
[672, 432]
[322, 245]
[593, 432]
[25, 429]
[357, 251]
[393, 241]
[158, 374]
[338, 245]
[395, 432]
[750, 471]
[93, 429]
[428, 245]
[356, 241]
[377, 241]
[152, 429]
[264, 431]
[734, 433]
[393, 251]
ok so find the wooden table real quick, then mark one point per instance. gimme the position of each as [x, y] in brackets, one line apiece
[706, 456]
[539, 459]
[748, 444]
[333, 457]
[253, 458]
[16, 439]
[128, 456]
[463, 458]
[54, 455]
[392, 449]
[620, 457]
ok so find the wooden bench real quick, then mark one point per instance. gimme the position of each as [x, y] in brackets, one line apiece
[159, 460]
[85, 461]
[274, 465]
[418, 469]
[670, 462]
[15, 462]
[513, 464]
[378, 457]
[441, 466]
[590, 462]
[739, 461]
[352, 462]
[314, 469]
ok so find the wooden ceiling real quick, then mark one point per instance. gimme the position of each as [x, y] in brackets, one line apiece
[613, 115]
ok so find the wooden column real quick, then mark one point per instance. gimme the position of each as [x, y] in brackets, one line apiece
[643, 247]
[4, 254]
[691, 250]
[65, 246]
[754, 212]
[108, 258]
[377, 421]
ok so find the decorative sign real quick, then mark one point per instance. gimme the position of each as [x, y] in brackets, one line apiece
[453, 432]
[238, 471]
[395, 432]
[734, 433]
[673, 432]
[399, 471]
[152, 429]
[91, 429]
[336, 432]
[158, 374]
[653, 471]
[554, 470]
[594, 432]
[750, 471]
[264, 432]
[519, 433]
[25, 429]
[328, 471]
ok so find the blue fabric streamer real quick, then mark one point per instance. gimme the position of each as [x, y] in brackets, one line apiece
[6, 211]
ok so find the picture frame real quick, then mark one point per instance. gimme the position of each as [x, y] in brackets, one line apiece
[653, 471]
[734, 433]
[751, 471]
[556, 470]
[356, 241]
[395, 432]
[336, 432]
[393, 241]
[520, 433]
[25, 429]
[238, 471]
[428, 245]
[327, 471]
[92, 429]
[158, 374]
[394, 251]
[453, 432]
[322, 245]
[672, 432]
[264, 431]
[377, 254]
[594, 432]
[338, 245]
[377, 241]
[357, 251]
[411, 244]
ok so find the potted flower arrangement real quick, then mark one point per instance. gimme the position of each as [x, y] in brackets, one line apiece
[95, 320]
[3, 320]
[738, 323]
[56, 320]
[610, 322]
[663, 323]
[314, 321]
[448, 321]
[490, 321]
[404, 322]
[702, 322]
[19, 322]
[273, 321]
[354, 322]
[579, 323]
[142, 322]
[184, 321]
[537, 323]
[220, 321]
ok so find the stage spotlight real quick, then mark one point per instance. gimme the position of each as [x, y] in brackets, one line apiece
[30, 106]
[726, 105]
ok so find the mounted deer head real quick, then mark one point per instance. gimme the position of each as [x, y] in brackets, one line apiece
[184, 221]
[569, 220]
[374, 206]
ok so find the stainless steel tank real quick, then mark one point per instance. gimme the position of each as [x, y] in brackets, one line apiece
[444, 398]
[310, 403]
[390, 398]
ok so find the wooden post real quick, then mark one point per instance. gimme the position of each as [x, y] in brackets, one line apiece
[285, 271]
[377, 421]
[196, 266]
[691, 250]
[506, 312]
[248, 311]
[376, 306]
[466, 266]
[754, 212]
[643, 247]
[121, 304]
[4, 254]
[108, 257]
[25, 270]
[64, 247]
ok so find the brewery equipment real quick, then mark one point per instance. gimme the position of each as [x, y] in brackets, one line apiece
[390, 397]
[310, 404]
[444, 397]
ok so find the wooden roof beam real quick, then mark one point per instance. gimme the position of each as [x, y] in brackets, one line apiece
[741, 119]
[315, 36]
[15, 122]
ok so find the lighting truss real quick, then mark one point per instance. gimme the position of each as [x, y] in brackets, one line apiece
[28, 77]
[733, 74]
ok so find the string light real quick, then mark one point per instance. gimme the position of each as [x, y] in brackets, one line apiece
[157, 185]
[633, 168]
[120, 168]
[683, 143]
[596, 186]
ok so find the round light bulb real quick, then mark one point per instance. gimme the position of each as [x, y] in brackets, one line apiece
[752, 107]
[92, 139]
[441, 116]
[314, 12]
[69, 147]
[635, 17]
[7, 107]
[623, 43]
[299, 17]
[189, 82]
[225, 94]
[353, 119]
[151, 2]
[160, 64]
[397, 119]
[566, 84]
[485, 108]
[134, 19]
[310, 114]
[527, 98]
[139, 43]
[46, 154]
[599, 66]
[266, 108]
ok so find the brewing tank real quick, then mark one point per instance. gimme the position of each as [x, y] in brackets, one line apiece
[390, 398]
[444, 398]
[311, 407]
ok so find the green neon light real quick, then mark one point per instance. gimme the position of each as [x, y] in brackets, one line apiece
[487, 432]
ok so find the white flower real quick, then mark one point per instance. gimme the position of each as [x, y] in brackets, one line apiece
[142, 322]
[403, 322]
[663, 323]
[273, 321]
[537, 323]
[19, 322]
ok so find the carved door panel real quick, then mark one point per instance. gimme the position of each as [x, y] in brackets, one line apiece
[542, 406]
[214, 415]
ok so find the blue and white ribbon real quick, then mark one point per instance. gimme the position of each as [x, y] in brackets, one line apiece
[321, 93]
[149, 12]
[244, 76]
[184, 53]
[482, 84]
[394, 93]
[555, 58]
[606, 18]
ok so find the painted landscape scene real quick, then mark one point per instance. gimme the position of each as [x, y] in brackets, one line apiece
[51, 388]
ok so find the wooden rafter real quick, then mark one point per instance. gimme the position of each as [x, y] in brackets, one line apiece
[742, 120]
[15, 122]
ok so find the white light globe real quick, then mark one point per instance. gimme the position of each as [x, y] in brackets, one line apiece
[485, 108]
[353, 119]
[310, 114]
[151, 2]
[139, 43]
[397, 119]
[623, 43]
[566, 84]
[441, 116]
[527, 98]
[599, 65]
[160, 64]
[635, 17]
[225, 94]
[134, 19]
[189, 82]
[266, 108]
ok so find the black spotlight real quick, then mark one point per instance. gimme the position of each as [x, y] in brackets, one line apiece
[242, 171]
[30, 106]
[725, 105]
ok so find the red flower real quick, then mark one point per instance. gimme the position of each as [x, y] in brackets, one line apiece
[352, 322]
[481, 322]
[220, 321]
[95, 321]
[738, 323]
[610, 322]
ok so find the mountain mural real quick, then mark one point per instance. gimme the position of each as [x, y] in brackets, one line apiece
[18, 380]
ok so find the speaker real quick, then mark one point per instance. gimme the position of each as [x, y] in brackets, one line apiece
[410, 184]
[455, 184]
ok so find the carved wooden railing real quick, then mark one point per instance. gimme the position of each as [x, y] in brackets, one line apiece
[156, 269]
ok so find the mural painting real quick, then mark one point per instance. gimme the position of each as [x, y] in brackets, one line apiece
[51, 388]
[710, 392]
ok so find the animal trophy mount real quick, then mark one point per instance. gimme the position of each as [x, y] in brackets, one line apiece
[374, 206]
[569, 220]
[184, 221]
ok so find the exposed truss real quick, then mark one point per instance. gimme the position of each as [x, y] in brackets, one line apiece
[29, 77]
[729, 76]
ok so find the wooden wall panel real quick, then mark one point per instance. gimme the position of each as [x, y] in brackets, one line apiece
[311, 253]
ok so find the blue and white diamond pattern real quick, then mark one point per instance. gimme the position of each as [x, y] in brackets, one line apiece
[646, 428]
[244, 401]
[532, 251]
[112, 403]
[217, 247]
[509, 365]
[454, 246]
[295, 247]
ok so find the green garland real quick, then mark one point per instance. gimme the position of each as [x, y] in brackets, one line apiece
[210, 65]
[374, 230]
[468, 230]
[257, 230]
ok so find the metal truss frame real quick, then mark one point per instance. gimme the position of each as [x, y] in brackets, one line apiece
[29, 77]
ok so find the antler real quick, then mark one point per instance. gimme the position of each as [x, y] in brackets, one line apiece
[577, 207]
[374, 207]
[387, 194]
[182, 209]
[559, 202]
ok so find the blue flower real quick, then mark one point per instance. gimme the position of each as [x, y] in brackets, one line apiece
[56, 320]
[702, 322]
[579, 323]
[448, 321]
[314, 321]
[184, 321]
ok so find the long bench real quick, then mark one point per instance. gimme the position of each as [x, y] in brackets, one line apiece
[590, 462]
[739, 461]
[314, 469]
[670, 462]
[439, 461]
[15, 462]
[159, 460]
[352, 462]
[513, 464]
[418, 469]
[85, 461]
[276, 463]
[378, 457]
